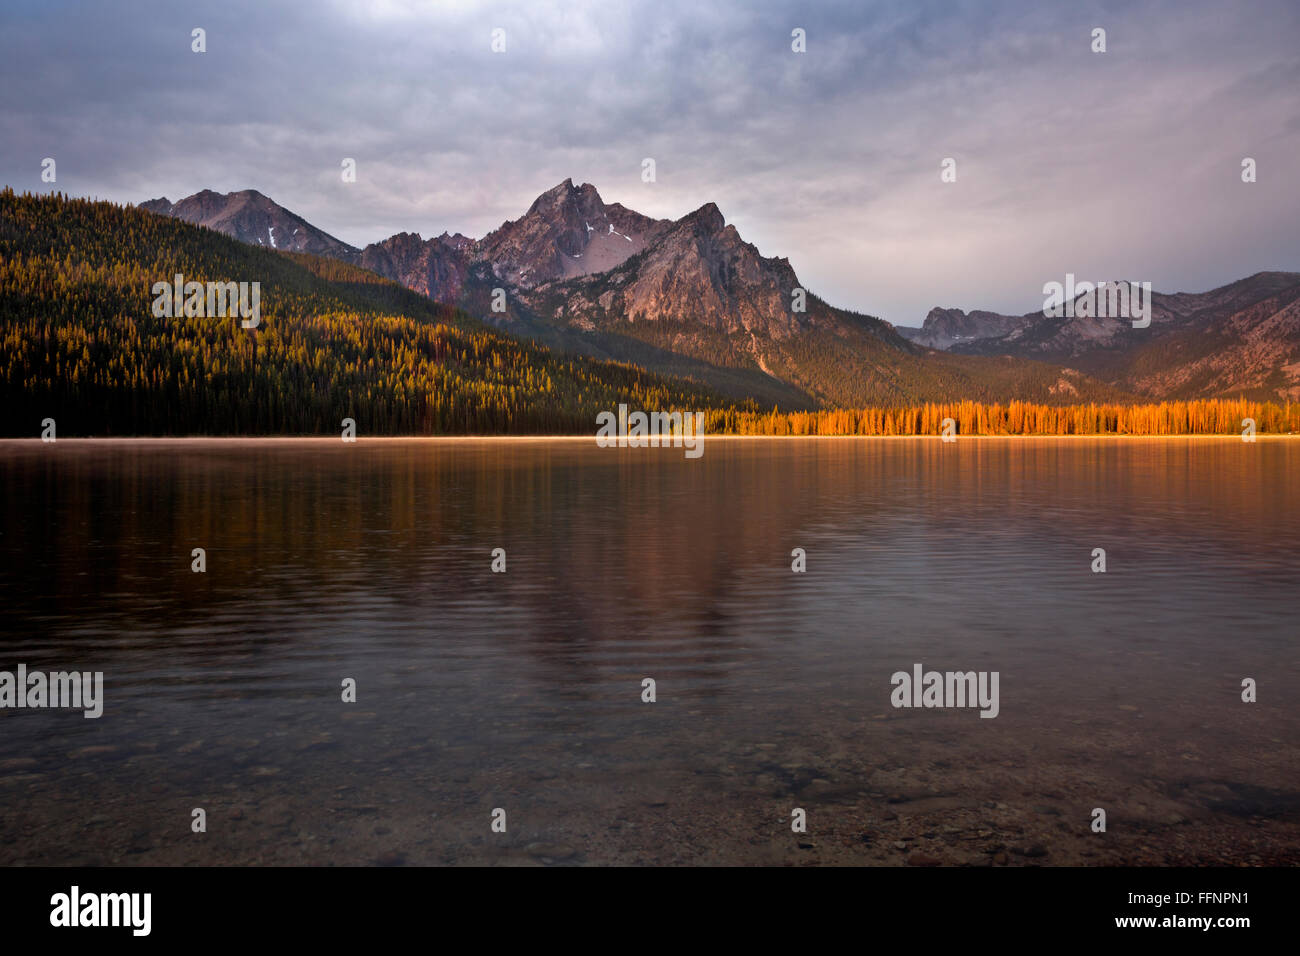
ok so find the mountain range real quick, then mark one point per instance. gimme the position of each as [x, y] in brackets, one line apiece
[1242, 339]
[690, 298]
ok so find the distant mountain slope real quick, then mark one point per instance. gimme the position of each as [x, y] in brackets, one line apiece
[1242, 339]
[81, 344]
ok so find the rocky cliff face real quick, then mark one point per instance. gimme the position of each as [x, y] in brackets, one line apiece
[944, 328]
[436, 267]
[698, 271]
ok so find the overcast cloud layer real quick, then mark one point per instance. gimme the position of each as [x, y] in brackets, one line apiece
[1125, 164]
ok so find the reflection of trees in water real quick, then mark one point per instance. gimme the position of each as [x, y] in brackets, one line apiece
[669, 558]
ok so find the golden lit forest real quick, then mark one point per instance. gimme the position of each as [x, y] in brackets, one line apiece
[1206, 417]
[79, 343]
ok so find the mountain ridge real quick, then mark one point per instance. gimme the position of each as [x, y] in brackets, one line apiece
[690, 297]
[1239, 339]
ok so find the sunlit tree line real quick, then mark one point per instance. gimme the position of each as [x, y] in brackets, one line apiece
[1202, 417]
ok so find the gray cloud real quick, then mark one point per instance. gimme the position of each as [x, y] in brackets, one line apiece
[1123, 164]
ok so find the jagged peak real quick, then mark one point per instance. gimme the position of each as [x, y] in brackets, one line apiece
[557, 191]
[209, 195]
[708, 216]
[565, 193]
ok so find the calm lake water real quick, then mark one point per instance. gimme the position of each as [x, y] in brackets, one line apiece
[522, 690]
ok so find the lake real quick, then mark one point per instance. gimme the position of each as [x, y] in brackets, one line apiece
[523, 690]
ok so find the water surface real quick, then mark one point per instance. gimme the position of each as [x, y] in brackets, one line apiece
[522, 690]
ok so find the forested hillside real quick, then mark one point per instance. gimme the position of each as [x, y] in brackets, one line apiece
[79, 343]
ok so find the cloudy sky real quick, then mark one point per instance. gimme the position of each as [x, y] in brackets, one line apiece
[1123, 164]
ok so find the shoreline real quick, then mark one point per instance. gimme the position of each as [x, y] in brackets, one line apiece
[230, 439]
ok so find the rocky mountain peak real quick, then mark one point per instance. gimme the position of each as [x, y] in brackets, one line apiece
[252, 217]
[707, 219]
[568, 231]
